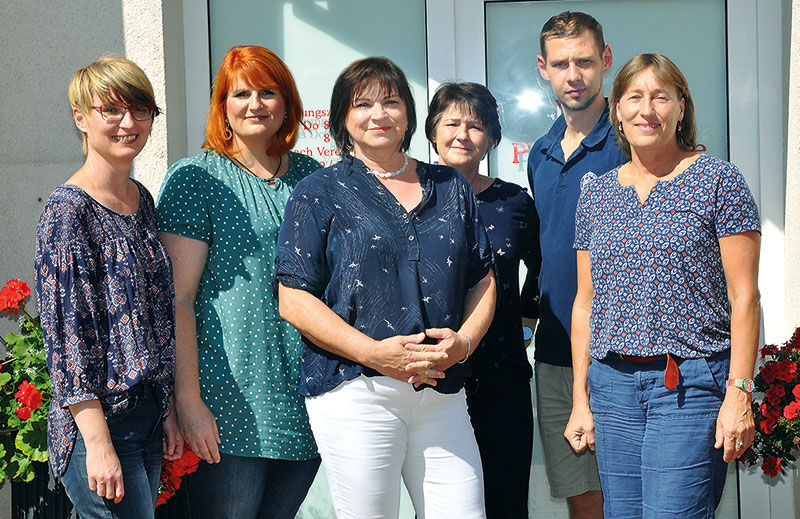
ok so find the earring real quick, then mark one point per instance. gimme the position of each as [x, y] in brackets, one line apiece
[680, 126]
[619, 128]
[228, 132]
[285, 116]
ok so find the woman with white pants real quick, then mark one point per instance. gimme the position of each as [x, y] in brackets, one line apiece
[384, 266]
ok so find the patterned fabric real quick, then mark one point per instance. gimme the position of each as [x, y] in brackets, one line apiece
[104, 285]
[555, 187]
[385, 271]
[659, 286]
[249, 358]
[510, 219]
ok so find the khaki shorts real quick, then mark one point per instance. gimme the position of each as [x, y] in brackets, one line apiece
[568, 473]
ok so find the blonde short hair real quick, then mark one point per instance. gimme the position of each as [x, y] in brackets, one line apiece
[115, 80]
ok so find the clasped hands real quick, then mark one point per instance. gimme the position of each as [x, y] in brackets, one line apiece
[406, 358]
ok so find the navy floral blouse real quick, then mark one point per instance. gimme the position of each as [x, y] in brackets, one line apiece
[385, 271]
[512, 225]
[105, 292]
[659, 286]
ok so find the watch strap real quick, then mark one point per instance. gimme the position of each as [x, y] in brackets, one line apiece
[745, 384]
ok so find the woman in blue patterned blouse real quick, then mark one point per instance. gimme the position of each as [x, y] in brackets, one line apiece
[667, 307]
[384, 265]
[104, 285]
[463, 124]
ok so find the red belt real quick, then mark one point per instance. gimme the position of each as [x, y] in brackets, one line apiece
[671, 374]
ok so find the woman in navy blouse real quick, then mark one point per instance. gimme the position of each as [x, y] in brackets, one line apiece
[463, 124]
[105, 293]
[385, 267]
[667, 307]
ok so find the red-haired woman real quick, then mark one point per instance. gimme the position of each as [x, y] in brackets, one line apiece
[237, 361]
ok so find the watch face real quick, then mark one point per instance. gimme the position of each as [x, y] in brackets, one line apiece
[749, 385]
[527, 333]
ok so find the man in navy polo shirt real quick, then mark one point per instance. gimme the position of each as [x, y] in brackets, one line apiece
[574, 58]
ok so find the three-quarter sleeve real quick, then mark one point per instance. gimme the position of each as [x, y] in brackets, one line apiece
[736, 210]
[182, 206]
[301, 256]
[583, 223]
[68, 304]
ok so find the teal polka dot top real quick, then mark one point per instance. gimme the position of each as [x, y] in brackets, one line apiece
[248, 356]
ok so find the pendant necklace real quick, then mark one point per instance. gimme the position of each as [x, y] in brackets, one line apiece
[270, 180]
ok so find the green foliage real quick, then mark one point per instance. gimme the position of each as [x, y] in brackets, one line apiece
[23, 439]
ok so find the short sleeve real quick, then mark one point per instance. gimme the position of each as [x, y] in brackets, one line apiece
[583, 224]
[301, 256]
[182, 206]
[736, 209]
[480, 250]
[68, 303]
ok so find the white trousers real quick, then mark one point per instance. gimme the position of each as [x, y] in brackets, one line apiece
[372, 430]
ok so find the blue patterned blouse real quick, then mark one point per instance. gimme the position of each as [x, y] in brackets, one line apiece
[385, 271]
[104, 285]
[659, 286]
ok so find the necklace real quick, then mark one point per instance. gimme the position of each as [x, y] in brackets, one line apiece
[390, 174]
[271, 179]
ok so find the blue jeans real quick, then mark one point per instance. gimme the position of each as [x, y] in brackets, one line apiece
[241, 487]
[137, 438]
[655, 447]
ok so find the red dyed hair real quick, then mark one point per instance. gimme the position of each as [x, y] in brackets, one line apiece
[259, 68]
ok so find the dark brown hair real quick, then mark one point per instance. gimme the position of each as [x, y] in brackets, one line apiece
[357, 78]
[470, 97]
[571, 24]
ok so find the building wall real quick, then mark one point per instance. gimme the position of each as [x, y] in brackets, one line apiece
[792, 222]
[42, 44]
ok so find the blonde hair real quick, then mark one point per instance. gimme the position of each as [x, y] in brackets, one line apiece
[115, 80]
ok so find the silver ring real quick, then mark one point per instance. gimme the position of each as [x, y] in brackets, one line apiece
[739, 444]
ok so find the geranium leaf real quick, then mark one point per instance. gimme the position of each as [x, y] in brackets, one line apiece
[32, 440]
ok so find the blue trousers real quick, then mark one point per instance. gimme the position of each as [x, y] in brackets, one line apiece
[138, 441]
[241, 487]
[655, 447]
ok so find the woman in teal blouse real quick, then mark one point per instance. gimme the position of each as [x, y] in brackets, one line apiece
[238, 362]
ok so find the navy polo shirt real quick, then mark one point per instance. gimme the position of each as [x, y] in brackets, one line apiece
[384, 270]
[556, 185]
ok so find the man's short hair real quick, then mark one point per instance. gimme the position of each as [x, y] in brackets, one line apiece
[571, 24]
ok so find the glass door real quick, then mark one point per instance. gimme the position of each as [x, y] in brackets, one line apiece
[496, 43]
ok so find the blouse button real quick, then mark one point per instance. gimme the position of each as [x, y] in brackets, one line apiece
[410, 238]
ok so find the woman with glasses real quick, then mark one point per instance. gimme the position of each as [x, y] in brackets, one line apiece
[238, 361]
[104, 285]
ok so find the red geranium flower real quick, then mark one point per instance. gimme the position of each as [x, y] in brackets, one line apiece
[23, 412]
[20, 287]
[775, 393]
[771, 466]
[791, 411]
[796, 392]
[28, 395]
[767, 425]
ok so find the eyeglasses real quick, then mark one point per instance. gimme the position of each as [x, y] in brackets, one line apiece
[115, 113]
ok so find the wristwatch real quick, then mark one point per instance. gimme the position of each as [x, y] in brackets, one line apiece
[745, 384]
[527, 333]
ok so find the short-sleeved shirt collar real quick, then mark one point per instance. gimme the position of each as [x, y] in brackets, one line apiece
[597, 137]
